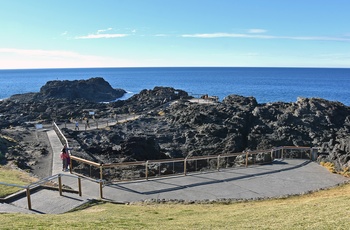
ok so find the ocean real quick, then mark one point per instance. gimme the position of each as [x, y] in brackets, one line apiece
[265, 84]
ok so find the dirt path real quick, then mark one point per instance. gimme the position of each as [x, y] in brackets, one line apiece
[31, 150]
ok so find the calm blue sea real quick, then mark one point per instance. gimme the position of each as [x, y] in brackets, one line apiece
[265, 84]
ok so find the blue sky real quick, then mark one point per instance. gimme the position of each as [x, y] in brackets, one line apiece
[157, 33]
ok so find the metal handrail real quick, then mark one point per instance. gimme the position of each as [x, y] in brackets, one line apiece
[13, 185]
[60, 186]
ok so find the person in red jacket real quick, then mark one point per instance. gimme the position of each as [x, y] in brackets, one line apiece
[65, 158]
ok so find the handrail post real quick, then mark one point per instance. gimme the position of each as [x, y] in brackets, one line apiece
[301, 154]
[282, 152]
[70, 165]
[310, 154]
[60, 184]
[146, 169]
[218, 163]
[28, 198]
[271, 154]
[185, 165]
[101, 186]
[101, 171]
[246, 159]
[79, 186]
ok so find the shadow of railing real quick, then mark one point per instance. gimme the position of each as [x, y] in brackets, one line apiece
[114, 172]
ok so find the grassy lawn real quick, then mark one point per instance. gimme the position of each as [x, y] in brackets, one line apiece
[11, 176]
[327, 209]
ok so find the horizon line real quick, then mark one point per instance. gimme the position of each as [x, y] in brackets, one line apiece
[148, 67]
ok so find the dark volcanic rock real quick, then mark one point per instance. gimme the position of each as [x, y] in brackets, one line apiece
[237, 124]
[171, 126]
[149, 99]
[60, 101]
[240, 123]
[94, 89]
[141, 148]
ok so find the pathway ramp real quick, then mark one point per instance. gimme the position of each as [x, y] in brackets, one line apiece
[280, 178]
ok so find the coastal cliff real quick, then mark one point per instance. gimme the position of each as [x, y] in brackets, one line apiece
[171, 125]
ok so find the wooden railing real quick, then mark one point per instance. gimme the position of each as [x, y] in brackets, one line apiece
[168, 167]
[42, 182]
[183, 166]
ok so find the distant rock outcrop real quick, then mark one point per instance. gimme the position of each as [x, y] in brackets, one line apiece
[93, 89]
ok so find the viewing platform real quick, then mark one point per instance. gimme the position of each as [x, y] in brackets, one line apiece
[280, 178]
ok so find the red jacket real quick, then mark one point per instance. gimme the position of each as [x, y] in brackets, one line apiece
[64, 155]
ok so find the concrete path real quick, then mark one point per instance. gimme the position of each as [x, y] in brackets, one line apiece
[281, 178]
[278, 179]
[100, 123]
[47, 201]
[56, 146]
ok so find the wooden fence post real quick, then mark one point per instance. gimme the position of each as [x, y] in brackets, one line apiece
[101, 171]
[218, 164]
[70, 165]
[79, 186]
[101, 186]
[60, 184]
[28, 198]
[246, 159]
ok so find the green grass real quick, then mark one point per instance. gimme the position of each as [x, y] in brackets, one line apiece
[323, 210]
[327, 209]
[11, 176]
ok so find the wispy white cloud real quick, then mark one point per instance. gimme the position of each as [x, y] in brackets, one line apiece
[101, 34]
[311, 38]
[64, 33]
[260, 36]
[256, 31]
[96, 36]
[226, 35]
[104, 30]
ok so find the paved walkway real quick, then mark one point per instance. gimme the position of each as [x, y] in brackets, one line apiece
[100, 123]
[281, 178]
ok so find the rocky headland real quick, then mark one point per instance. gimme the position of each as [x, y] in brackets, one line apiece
[169, 125]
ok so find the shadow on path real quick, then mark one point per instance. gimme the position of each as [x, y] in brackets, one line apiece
[209, 180]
